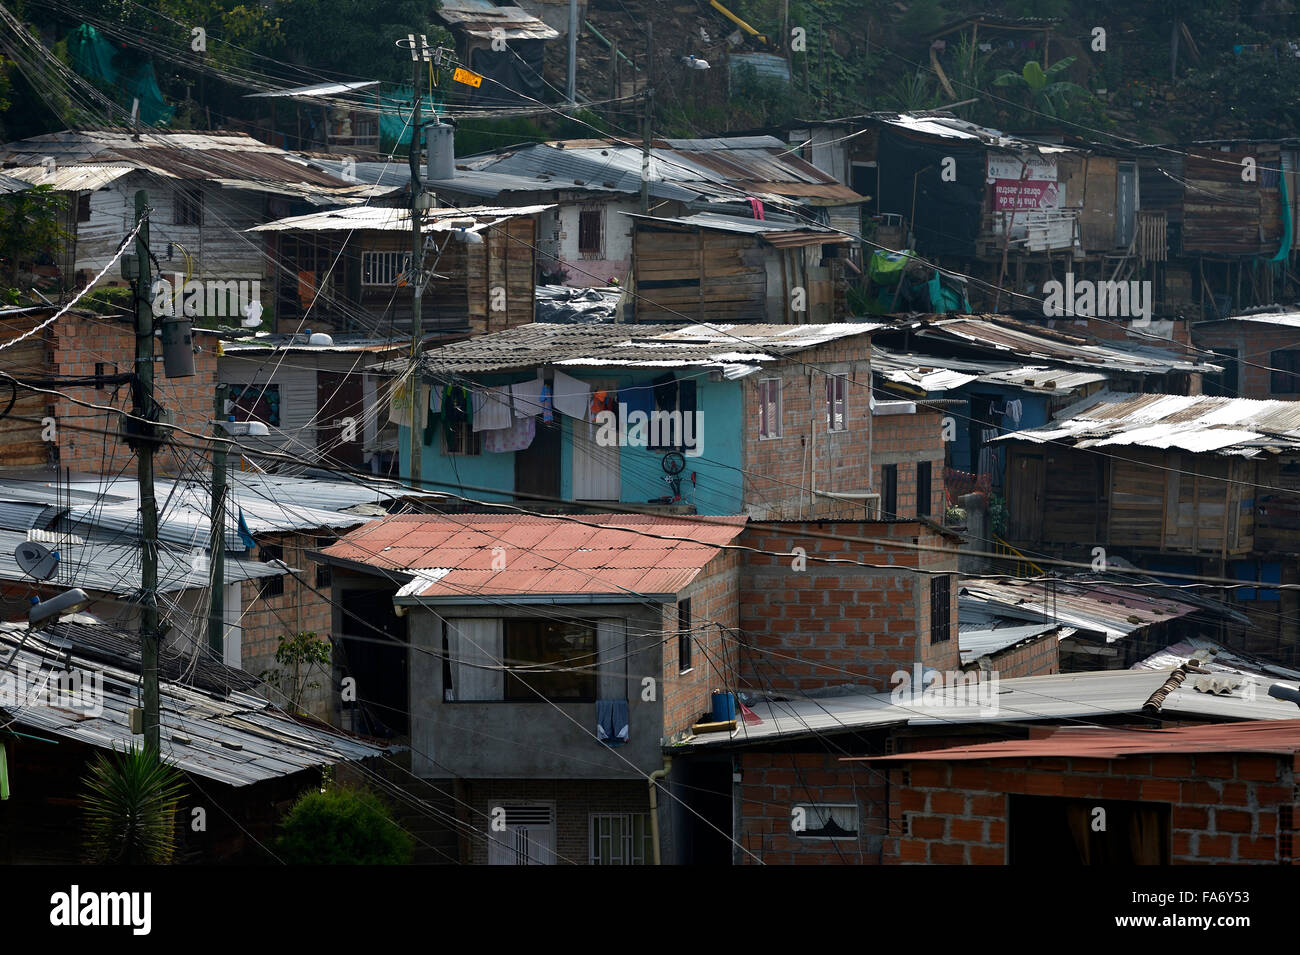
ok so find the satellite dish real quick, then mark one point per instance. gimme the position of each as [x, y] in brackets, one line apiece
[36, 560]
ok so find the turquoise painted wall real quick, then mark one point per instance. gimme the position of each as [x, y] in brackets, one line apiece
[718, 487]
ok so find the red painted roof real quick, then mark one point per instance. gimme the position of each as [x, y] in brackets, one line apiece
[582, 554]
[1278, 737]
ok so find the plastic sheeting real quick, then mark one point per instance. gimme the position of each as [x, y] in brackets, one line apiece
[97, 59]
[512, 77]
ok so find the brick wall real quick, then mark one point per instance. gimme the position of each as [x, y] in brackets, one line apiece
[1224, 806]
[298, 609]
[714, 653]
[904, 440]
[1255, 344]
[773, 784]
[777, 470]
[832, 623]
[1036, 658]
[80, 343]
[574, 799]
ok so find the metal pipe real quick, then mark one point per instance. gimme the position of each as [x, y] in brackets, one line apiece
[571, 86]
[609, 43]
[654, 778]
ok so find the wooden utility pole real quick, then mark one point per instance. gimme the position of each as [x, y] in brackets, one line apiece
[217, 536]
[143, 428]
[649, 117]
[416, 276]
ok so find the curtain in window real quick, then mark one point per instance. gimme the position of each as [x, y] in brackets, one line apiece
[611, 653]
[475, 645]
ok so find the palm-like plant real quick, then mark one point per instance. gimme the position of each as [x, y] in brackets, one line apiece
[131, 803]
[912, 92]
[1046, 92]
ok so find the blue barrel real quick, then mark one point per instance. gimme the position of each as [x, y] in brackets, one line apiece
[724, 707]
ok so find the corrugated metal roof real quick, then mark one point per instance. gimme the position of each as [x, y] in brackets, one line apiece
[1059, 696]
[1001, 336]
[9, 185]
[736, 349]
[947, 126]
[70, 177]
[1277, 737]
[451, 558]
[228, 736]
[24, 515]
[220, 157]
[348, 344]
[1288, 318]
[990, 641]
[1110, 609]
[685, 170]
[383, 219]
[780, 234]
[936, 374]
[483, 19]
[315, 90]
[1201, 424]
[115, 568]
[1215, 658]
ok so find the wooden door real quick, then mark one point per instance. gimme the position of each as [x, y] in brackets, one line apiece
[1025, 497]
[340, 421]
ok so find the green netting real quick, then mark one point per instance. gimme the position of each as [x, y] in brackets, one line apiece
[395, 114]
[133, 78]
[884, 268]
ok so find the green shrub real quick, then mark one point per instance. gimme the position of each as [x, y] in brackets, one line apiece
[342, 826]
[131, 803]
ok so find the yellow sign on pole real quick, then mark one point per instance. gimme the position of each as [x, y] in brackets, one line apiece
[467, 77]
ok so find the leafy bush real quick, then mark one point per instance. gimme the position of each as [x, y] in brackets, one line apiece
[131, 808]
[343, 826]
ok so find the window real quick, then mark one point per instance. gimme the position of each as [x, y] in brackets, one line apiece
[940, 608]
[99, 376]
[187, 207]
[620, 838]
[591, 232]
[826, 820]
[769, 408]
[528, 838]
[922, 488]
[684, 635]
[555, 648]
[836, 385]
[255, 403]
[384, 268]
[1286, 371]
[83, 207]
[888, 491]
[462, 439]
[1222, 384]
[673, 422]
[271, 586]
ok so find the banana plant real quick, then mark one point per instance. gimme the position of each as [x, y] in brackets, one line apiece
[1046, 92]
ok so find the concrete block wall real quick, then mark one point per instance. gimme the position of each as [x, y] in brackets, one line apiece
[1255, 344]
[1035, 658]
[836, 623]
[905, 440]
[1225, 808]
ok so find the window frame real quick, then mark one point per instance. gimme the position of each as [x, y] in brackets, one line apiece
[944, 604]
[888, 492]
[270, 586]
[765, 430]
[392, 265]
[469, 443]
[187, 207]
[1286, 365]
[837, 394]
[529, 688]
[628, 848]
[857, 817]
[685, 636]
[924, 482]
[586, 218]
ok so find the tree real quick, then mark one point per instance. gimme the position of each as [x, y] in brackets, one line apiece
[299, 655]
[131, 806]
[342, 826]
[29, 227]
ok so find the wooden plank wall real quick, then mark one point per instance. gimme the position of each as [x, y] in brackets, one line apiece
[1181, 503]
[704, 276]
[1074, 499]
[1222, 213]
[506, 260]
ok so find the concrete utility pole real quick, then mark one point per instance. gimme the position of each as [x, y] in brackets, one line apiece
[571, 86]
[416, 276]
[217, 536]
[146, 439]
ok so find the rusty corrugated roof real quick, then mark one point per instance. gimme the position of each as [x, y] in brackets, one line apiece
[452, 557]
[1276, 737]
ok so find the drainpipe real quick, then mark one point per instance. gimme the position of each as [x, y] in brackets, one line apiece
[654, 777]
[812, 425]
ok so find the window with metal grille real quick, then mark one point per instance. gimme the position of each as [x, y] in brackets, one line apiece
[462, 439]
[827, 820]
[769, 408]
[324, 577]
[684, 635]
[187, 207]
[923, 489]
[383, 268]
[591, 231]
[271, 586]
[940, 608]
[889, 491]
[83, 207]
[1286, 834]
[1285, 379]
[620, 838]
[836, 388]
